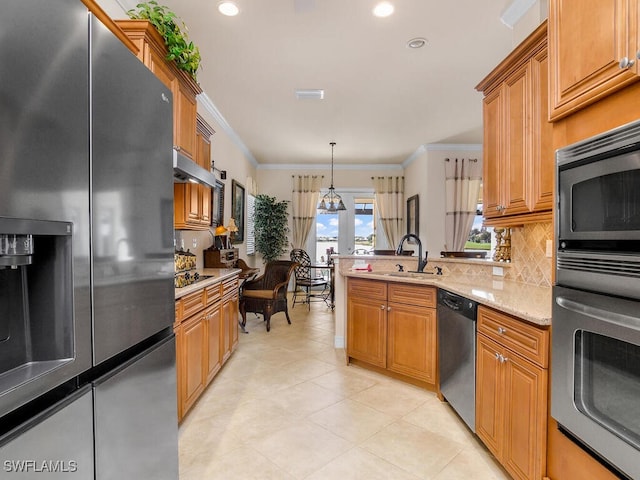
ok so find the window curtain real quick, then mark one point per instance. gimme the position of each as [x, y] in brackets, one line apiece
[306, 189]
[462, 186]
[389, 193]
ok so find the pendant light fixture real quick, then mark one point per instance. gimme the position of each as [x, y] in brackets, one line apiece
[331, 202]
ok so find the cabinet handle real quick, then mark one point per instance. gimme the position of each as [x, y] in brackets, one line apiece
[503, 359]
[498, 356]
[502, 331]
[382, 307]
[625, 63]
[388, 309]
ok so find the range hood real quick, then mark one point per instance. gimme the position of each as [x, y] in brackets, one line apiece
[186, 170]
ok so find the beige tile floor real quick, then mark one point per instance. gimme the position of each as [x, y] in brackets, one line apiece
[285, 406]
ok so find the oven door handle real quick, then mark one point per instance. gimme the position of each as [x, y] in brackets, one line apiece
[582, 308]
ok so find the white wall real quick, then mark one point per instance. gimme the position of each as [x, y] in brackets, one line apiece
[425, 176]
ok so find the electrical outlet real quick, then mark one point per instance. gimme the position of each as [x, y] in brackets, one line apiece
[498, 271]
[549, 251]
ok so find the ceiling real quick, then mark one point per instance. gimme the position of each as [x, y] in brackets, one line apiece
[382, 101]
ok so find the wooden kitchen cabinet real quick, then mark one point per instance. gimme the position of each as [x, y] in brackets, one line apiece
[367, 321]
[193, 357]
[206, 334]
[511, 392]
[392, 326]
[230, 299]
[152, 51]
[594, 48]
[518, 160]
[192, 202]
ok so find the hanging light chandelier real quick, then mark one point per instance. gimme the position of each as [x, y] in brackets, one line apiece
[331, 202]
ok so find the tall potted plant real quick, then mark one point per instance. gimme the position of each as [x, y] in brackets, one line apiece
[271, 227]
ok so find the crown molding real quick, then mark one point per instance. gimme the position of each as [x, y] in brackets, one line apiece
[326, 166]
[206, 103]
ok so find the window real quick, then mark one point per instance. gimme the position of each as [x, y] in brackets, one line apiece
[479, 236]
[364, 226]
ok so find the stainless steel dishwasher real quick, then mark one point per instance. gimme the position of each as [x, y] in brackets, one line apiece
[457, 353]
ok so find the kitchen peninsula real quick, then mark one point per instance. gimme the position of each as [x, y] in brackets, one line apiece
[389, 322]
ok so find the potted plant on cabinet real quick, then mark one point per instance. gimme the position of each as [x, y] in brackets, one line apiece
[182, 51]
[270, 225]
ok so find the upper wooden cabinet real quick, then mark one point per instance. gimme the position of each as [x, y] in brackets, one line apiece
[152, 52]
[593, 49]
[192, 202]
[517, 153]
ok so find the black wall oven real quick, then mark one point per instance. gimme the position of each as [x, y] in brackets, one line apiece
[596, 310]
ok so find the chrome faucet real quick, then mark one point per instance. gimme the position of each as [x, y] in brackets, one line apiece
[421, 263]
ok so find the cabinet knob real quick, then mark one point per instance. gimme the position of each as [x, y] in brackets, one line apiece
[502, 331]
[503, 359]
[625, 62]
[638, 54]
[498, 356]
[382, 307]
[388, 309]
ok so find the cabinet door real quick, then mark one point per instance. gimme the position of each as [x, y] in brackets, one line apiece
[194, 358]
[492, 152]
[185, 121]
[213, 317]
[489, 395]
[412, 344]
[524, 448]
[205, 205]
[367, 330]
[513, 162]
[229, 338]
[542, 158]
[159, 67]
[587, 41]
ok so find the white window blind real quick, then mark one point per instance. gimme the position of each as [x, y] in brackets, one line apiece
[251, 234]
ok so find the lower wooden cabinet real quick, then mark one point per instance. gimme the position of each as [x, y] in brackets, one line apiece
[205, 338]
[393, 326]
[511, 392]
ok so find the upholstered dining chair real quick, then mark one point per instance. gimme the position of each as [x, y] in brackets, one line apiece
[267, 294]
[306, 278]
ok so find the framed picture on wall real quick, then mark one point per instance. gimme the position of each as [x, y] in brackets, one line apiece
[217, 204]
[237, 210]
[413, 214]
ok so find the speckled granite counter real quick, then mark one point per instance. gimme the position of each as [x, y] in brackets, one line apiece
[528, 302]
[216, 275]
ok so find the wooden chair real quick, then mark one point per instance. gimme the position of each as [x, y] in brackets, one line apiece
[306, 280]
[267, 294]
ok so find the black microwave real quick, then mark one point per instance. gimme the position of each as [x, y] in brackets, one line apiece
[598, 214]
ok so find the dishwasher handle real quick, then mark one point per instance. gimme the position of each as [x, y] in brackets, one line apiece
[452, 301]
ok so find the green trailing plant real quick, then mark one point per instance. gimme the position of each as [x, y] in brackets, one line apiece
[271, 227]
[182, 51]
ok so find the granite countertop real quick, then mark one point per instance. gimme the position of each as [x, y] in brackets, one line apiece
[529, 302]
[216, 275]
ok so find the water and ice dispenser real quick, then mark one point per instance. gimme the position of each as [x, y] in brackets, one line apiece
[36, 299]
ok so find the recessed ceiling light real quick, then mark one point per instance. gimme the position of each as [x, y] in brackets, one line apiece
[230, 9]
[383, 9]
[417, 42]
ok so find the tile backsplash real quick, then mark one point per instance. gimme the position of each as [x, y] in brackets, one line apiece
[529, 263]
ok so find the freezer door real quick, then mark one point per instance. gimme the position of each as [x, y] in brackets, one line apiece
[55, 444]
[136, 420]
[132, 198]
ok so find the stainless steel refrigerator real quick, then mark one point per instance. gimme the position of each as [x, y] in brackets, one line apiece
[87, 352]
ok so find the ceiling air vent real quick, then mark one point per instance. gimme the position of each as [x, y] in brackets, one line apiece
[309, 94]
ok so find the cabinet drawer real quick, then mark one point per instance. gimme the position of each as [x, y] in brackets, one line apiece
[192, 303]
[516, 335]
[371, 289]
[410, 294]
[230, 287]
[213, 293]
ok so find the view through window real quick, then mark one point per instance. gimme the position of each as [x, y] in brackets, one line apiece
[364, 227]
